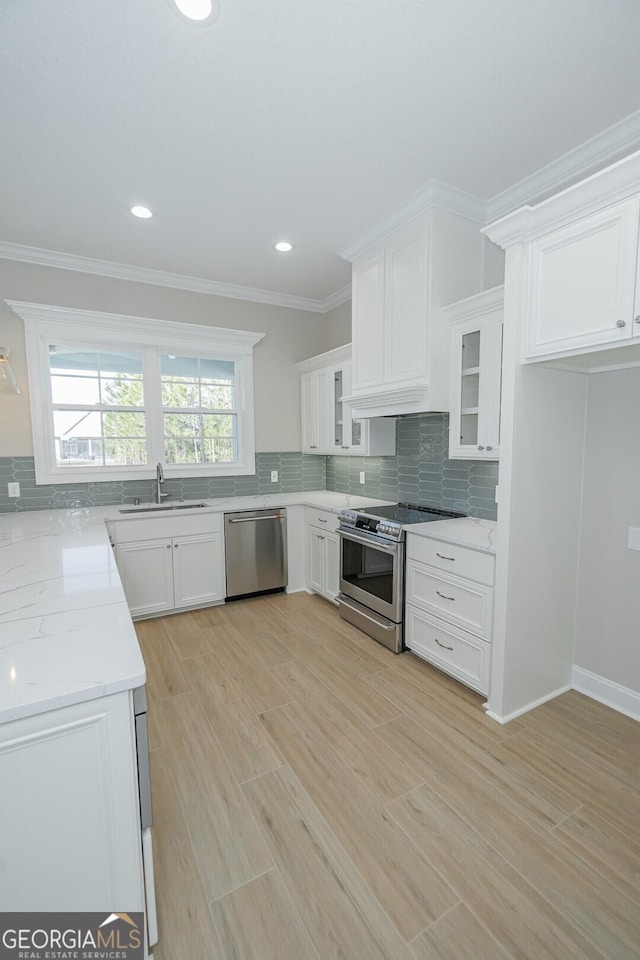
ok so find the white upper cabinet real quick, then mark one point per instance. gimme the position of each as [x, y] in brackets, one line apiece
[579, 264]
[476, 376]
[401, 281]
[367, 320]
[583, 282]
[328, 424]
[405, 305]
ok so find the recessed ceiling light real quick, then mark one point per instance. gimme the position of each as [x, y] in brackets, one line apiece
[284, 246]
[202, 11]
[142, 212]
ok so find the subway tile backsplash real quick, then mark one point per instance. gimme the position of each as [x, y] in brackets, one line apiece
[421, 472]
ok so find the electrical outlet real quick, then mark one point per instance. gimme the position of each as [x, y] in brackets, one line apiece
[13, 489]
[362, 476]
[633, 542]
[274, 476]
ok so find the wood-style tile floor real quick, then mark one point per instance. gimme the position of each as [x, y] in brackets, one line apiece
[316, 797]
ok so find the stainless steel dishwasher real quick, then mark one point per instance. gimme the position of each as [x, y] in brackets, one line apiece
[256, 551]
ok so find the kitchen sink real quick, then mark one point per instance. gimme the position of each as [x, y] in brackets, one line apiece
[164, 507]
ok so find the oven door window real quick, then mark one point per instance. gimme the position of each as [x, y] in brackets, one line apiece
[368, 569]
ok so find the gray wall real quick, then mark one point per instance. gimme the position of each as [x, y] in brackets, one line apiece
[291, 335]
[608, 615]
[421, 471]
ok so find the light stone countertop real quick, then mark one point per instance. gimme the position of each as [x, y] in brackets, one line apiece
[463, 531]
[66, 635]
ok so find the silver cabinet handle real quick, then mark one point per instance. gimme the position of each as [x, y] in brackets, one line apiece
[621, 323]
[444, 596]
[320, 537]
[480, 448]
[345, 447]
[637, 319]
[168, 546]
[273, 516]
[320, 520]
[313, 446]
[489, 448]
[445, 558]
[442, 644]
[175, 546]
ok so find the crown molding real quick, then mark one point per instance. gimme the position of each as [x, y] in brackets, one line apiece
[604, 188]
[599, 151]
[433, 195]
[336, 299]
[160, 278]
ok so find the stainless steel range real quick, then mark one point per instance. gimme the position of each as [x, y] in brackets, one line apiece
[372, 567]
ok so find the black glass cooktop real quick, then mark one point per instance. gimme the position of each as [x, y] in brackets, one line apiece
[411, 513]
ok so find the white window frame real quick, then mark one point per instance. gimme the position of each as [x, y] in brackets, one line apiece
[62, 326]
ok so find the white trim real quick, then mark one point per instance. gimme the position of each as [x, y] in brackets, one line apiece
[488, 301]
[604, 148]
[389, 401]
[328, 359]
[161, 278]
[433, 194]
[602, 189]
[612, 694]
[73, 322]
[336, 299]
[528, 706]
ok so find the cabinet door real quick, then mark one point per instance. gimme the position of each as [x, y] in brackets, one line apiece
[405, 315]
[331, 565]
[367, 318]
[582, 283]
[310, 413]
[198, 569]
[476, 373]
[146, 571]
[69, 809]
[315, 560]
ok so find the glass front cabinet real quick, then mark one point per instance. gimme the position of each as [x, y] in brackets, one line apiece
[475, 327]
[328, 426]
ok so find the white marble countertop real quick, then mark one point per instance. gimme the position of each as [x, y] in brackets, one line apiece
[66, 635]
[324, 499]
[464, 531]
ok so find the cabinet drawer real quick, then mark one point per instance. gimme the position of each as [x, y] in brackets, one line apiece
[461, 602]
[458, 654]
[459, 561]
[154, 527]
[323, 519]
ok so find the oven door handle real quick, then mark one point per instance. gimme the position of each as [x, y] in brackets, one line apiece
[370, 542]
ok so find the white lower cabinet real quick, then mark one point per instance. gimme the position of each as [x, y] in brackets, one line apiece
[69, 805]
[459, 654]
[449, 616]
[177, 570]
[146, 571]
[323, 553]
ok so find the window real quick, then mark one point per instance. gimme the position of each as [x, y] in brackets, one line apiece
[97, 402]
[198, 409]
[112, 396]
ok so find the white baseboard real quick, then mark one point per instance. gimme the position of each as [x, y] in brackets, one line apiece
[612, 694]
[529, 706]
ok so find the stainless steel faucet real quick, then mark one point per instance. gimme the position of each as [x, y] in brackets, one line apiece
[160, 495]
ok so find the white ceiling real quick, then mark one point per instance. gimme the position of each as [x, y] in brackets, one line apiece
[302, 119]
